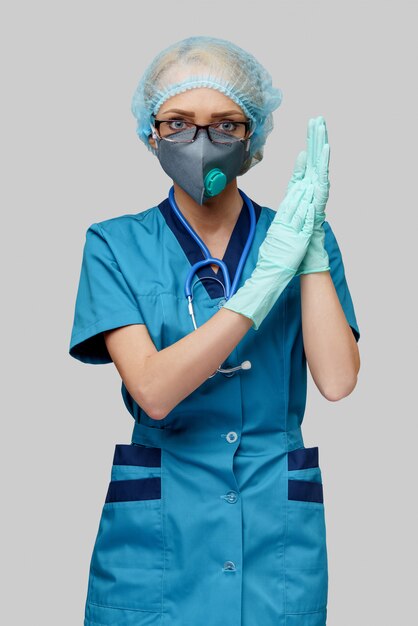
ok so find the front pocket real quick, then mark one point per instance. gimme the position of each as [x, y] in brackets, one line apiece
[304, 475]
[127, 564]
[134, 489]
[302, 458]
[305, 490]
[306, 568]
[135, 461]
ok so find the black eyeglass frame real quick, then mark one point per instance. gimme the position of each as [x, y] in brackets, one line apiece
[248, 127]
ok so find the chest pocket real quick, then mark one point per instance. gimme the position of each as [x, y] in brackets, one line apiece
[126, 571]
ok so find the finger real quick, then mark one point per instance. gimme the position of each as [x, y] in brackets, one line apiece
[295, 191]
[316, 140]
[310, 143]
[300, 193]
[320, 141]
[300, 165]
[298, 220]
[301, 208]
[325, 132]
[291, 201]
[309, 220]
[323, 169]
[322, 184]
[299, 169]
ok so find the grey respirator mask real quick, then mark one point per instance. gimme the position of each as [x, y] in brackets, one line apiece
[202, 168]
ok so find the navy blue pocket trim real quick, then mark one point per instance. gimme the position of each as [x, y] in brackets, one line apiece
[302, 458]
[134, 454]
[136, 489]
[305, 490]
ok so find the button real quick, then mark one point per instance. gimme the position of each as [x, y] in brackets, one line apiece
[221, 303]
[231, 437]
[231, 497]
[229, 566]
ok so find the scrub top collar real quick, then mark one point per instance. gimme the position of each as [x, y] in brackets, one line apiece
[194, 253]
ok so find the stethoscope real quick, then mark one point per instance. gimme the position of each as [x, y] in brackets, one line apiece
[228, 289]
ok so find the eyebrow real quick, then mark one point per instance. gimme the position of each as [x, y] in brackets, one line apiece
[191, 113]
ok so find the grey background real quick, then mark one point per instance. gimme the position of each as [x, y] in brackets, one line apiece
[70, 157]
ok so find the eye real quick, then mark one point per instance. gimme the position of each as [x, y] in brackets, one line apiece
[227, 126]
[178, 125]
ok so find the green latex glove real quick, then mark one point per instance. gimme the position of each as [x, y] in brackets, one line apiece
[279, 256]
[313, 165]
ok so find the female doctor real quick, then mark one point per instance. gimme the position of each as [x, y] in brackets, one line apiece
[210, 306]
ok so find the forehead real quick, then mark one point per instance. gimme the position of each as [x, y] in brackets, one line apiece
[203, 100]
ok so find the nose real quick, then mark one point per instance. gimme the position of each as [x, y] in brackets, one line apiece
[215, 180]
[205, 131]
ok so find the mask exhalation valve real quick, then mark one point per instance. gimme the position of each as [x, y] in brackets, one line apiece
[215, 182]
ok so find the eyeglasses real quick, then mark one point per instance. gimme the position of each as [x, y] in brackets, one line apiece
[180, 131]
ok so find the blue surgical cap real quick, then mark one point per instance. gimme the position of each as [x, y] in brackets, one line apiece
[209, 62]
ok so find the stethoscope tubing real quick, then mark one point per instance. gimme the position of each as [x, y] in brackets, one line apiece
[209, 260]
[229, 289]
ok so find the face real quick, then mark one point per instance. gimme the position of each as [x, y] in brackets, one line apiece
[201, 106]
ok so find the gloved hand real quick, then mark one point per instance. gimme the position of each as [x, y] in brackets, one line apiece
[279, 256]
[314, 167]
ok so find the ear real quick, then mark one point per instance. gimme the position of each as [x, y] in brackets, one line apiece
[152, 142]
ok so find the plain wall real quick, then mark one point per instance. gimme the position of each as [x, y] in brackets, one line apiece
[71, 157]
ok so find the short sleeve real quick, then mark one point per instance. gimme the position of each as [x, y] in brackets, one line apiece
[104, 300]
[339, 279]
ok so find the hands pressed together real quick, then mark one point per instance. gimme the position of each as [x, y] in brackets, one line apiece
[294, 243]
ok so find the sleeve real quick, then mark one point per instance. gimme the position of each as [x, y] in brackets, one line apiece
[104, 300]
[338, 277]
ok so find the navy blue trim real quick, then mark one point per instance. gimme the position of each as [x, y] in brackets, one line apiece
[134, 489]
[193, 252]
[305, 490]
[302, 458]
[134, 454]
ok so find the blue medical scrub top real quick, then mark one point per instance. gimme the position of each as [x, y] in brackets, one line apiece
[215, 514]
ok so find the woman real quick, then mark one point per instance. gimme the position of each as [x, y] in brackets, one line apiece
[214, 512]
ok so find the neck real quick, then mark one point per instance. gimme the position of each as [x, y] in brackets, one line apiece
[217, 214]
